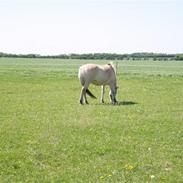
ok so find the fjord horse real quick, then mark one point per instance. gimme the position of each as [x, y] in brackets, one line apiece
[100, 75]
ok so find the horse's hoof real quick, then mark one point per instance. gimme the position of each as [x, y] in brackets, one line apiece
[81, 102]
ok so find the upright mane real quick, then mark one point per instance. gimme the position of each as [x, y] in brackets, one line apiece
[113, 66]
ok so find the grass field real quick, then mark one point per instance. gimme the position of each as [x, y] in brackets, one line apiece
[46, 136]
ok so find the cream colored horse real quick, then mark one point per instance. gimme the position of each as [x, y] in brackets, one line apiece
[101, 75]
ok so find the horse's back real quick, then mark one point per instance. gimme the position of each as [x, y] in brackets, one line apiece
[96, 74]
[87, 69]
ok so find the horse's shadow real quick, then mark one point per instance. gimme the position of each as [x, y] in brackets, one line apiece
[120, 103]
[126, 103]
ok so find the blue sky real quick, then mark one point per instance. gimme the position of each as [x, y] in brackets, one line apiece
[90, 26]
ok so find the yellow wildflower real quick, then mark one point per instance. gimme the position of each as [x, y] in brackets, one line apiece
[102, 177]
[129, 167]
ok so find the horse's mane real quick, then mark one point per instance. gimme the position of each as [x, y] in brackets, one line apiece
[113, 66]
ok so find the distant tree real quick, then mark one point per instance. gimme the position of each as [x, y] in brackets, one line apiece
[179, 57]
[103, 56]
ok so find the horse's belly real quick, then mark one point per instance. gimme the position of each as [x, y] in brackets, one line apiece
[97, 82]
[100, 81]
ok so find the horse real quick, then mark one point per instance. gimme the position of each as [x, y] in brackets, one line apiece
[100, 75]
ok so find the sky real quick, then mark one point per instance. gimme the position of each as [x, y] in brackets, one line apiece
[52, 27]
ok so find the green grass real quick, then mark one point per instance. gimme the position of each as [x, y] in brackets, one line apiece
[46, 136]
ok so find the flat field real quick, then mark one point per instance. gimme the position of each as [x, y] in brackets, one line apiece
[47, 136]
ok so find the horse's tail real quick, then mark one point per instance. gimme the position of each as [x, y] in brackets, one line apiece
[90, 94]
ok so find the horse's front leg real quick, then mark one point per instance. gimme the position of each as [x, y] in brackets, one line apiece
[102, 93]
[110, 95]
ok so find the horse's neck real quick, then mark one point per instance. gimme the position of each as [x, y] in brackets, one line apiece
[114, 77]
[113, 83]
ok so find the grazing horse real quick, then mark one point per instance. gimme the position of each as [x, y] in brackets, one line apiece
[98, 75]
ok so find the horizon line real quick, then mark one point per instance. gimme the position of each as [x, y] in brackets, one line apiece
[83, 53]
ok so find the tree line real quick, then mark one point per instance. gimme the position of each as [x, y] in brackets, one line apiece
[103, 56]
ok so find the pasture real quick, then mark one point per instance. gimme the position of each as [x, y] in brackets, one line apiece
[47, 136]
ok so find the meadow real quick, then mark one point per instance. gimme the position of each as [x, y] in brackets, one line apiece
[47, 136]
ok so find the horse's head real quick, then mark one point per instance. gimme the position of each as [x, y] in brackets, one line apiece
[113, 93]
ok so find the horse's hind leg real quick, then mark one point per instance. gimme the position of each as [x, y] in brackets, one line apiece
[82, 81]
[86, 101]
[84, 88]
[81, 95]
[86, 85]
